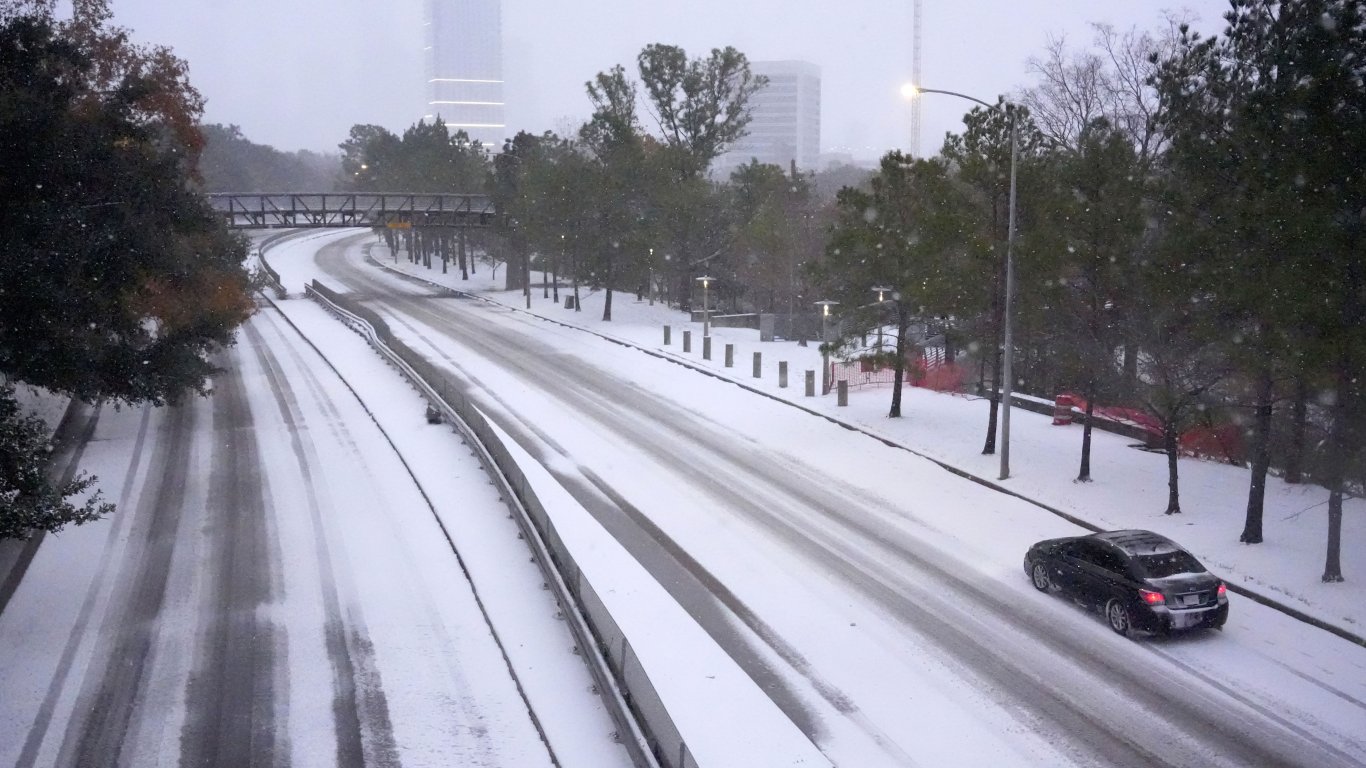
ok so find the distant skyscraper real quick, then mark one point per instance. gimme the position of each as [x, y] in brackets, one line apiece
[464, 40]
[785, 118]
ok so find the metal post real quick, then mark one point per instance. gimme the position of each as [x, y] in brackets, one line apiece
[666, 335]
[687, 341]
[706, 310]
[842, 393]
[758, 364]
[706, 347]
[730, 355]
[1008, 336]
[810, 383]
[782, 374]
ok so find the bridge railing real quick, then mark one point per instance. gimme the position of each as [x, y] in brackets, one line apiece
[315, 210]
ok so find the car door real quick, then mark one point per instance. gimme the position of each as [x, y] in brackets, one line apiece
[1069, 574]
[1107, 575]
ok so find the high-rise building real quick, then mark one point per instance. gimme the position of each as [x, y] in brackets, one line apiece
[464, 54]
[785, 119]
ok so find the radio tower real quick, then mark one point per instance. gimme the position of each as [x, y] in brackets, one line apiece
[915, 78]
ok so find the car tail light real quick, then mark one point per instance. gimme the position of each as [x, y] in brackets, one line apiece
[1151, 598]
[1223, 590]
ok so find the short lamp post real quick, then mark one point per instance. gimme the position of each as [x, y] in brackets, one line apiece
[650, 289]
[705, 280]
[882, 292]
[825, 305]
[1007, 334]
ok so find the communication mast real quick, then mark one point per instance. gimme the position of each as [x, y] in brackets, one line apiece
[915, 78]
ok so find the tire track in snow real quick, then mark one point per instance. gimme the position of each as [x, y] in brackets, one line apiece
[43, 721]
[110, 694]
[230, 695]
[363, 729]
[469, 710]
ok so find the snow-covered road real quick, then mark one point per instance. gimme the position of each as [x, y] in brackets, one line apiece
[877, 597]
[276, 590]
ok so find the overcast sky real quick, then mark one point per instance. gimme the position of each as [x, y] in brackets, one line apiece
[297, 74]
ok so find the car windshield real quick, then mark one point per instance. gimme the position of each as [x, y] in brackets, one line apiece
[1169, 564]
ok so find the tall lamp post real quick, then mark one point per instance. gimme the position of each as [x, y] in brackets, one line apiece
[911, 91]
[705, 280]
[825, 305]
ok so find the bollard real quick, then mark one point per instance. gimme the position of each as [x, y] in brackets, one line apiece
[842, 393]
[758, 364]
[782, 374]
[687, 341]
[730, 355]
[706, 347]
[667, 334]
[810, 383]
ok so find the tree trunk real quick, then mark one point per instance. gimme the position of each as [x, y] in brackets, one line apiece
[990, 446]
[1337, 470]
[902, 322]
[1171, 443]
[1261, 458]
[1294, 463]
[1084, 474]
[462, 254]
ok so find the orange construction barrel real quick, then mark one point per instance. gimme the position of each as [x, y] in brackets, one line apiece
[1062, 409]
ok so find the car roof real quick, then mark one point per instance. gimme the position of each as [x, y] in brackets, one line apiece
[1139, 542]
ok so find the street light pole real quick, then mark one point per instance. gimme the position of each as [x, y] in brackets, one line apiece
[1007, 334]
[881, 297]
[825, 305]
[705, 280]
[1008, 354]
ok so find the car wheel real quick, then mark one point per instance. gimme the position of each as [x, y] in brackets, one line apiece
[1039, 575]
[1118, 616]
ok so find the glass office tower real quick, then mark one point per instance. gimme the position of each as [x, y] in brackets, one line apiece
[464, 54]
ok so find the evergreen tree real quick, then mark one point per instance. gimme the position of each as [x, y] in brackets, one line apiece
[1267, 123]
[119, 279]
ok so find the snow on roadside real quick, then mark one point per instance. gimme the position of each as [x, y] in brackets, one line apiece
[1130, 487]
[537, 645]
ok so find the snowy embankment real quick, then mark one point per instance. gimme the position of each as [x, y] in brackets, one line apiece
[1129, 488]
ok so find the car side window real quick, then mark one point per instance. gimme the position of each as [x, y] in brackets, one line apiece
[1110, 561]
[1082, 550]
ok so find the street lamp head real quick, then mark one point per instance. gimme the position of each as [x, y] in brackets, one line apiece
[825, 305]
[704, 280]
[909, 91]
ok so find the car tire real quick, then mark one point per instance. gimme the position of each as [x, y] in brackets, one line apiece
[1039, 576]
[1117, 616]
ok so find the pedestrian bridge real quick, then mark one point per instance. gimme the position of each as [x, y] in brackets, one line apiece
[335, 210]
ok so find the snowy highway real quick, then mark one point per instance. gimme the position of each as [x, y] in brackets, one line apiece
[276, 590]
[877, 598]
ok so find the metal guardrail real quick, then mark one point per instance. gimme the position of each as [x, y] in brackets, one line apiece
[337, 210]
[643, 722]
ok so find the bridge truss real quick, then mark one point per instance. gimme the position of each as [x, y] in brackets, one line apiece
[325, 210]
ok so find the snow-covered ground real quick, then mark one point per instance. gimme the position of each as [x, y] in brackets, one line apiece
[894, 703]
[302, 571]
[1129, 488]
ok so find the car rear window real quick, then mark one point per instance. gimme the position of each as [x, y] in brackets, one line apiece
[1169, 564]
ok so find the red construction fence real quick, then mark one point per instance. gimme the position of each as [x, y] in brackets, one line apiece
[928, 369]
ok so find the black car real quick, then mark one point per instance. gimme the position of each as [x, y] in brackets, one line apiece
[1142, 581]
